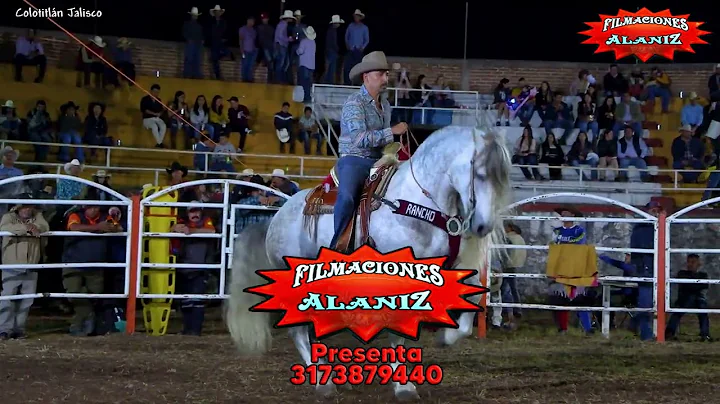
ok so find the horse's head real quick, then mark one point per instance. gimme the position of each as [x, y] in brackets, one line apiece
[481, 177]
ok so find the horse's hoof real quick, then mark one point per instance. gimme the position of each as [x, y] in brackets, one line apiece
[406, 395]
[326, 390]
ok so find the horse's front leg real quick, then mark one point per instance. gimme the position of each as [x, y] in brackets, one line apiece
[301, 337]
[449, 336]
[403, 392]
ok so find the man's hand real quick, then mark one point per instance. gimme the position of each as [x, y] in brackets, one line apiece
[179, 228]
[263, 200]
[105, 227]
[399, 128]
[271, 200]
[33, 230]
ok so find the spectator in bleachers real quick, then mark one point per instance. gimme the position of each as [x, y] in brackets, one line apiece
[581, 84]
[442, 99]
[306, 63]
[422, 97]
[552, 155]
[202, 146]
[176, 175]
[587, 116]
[24, 247]
[297, 33]
[524, 109]
[41, 189]
[631, 151]
[614, 83]
[636, 83]
[332, 49]
[193, 34]
[714, 84]
[255, 197]
[658, 85]
[199, 117]
[266, 36]
[525, 153]
[357, 38]
[279, 181]
[152, 110]
[8, 169]
[222, 158]
[69, 189]
[628, 113]
[559, 115]
[248, 47]
[692, 113]
[404, 98]
[9, 121]
[193, 281]
[691, 296]
[501, 95]
[86, 249]
[309, 131]
[102, 177]
[218, 47]
[123, 60]
[180, 110]
[606, 115]
[29, 52]
[513, 264]
[96, 128]
[543, 98]
[284, 127]
[282, 42]
[217, 118]
[239, 116]
[89, 62]
[40, 129]
[606, 149]
[688, 152]
[69, 127]
[582, 153]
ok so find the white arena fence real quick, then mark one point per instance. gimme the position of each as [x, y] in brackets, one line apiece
[606, 282]
[121, 202]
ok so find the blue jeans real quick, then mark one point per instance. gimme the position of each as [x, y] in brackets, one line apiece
[70, 138]
[510, 294]
[247, 66]
[636, 127]
[41, 151]
[524, 114]
[331, 60]
[222, 165]
[592, 162]
[193, 60]
[209, 128]
[689, 176]
[644, 264]
[584, 126]
[636, 162]
[689, 302]
[352, 172]
[95, 140]
[560, 123]
[663, 93]
[352, 57]
[267, 55]
[529, 160]
[281, 64]
[306, 138]
[305, 79]
[217, 52]
[713, 182]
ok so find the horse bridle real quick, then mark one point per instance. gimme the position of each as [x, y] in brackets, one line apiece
[460, 224]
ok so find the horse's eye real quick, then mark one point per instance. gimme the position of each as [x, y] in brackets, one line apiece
[481, 177]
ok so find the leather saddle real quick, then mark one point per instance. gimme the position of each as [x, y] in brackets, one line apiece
[321, 201]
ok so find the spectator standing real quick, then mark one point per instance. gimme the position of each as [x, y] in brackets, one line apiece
[248, 37]
[692, 113]
[632, 151]
[306, 53]
[218, 48]
[516, 258]
[193, 34]
[284, 127]
[239, 116]
[614, 83]
[69, 189]
[502, 96]
[124, 61]
[643, 237]
[96, 128]
[29, 52]
[332, 49]
[357, 38]
[282, 41]
[688, 152]
[69, 127]
[690, 296]
[628, 114]
[266, 36]
[40, 129]
[23, 247]
[297, 33]
[152, 108]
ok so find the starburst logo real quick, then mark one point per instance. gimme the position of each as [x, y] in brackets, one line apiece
[644, 34]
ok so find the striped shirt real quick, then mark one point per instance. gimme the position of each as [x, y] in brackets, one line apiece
[364, 129]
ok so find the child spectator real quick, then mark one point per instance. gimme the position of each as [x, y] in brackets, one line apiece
[179, 107]
[239, 115]
[309, 131]
[96, 128]
[40, 129]
[199, 115]
[223, 155]
[283, 127]
[69, 127]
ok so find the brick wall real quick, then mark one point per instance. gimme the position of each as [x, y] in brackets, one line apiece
[167, 58]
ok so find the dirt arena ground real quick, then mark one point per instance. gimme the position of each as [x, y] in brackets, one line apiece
[531, 365]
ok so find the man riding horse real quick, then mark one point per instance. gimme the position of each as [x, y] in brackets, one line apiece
[364, 131]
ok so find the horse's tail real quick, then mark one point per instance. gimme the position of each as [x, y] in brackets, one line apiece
[251, 331]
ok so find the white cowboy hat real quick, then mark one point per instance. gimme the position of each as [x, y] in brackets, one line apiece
[335, 19]
[310, 33]
[194, 11]
[102, 174]
[686, 128]
[371, 62]
[216, 10]
[248, 172]
[283, 135]
[359, 13]
[74, 162]
[9, 104]
[693, 95]
[298, 13]
[288, 14]
[97, 40]
[278, 172]
[9, 149]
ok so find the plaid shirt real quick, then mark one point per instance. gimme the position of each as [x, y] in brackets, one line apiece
[364, 129]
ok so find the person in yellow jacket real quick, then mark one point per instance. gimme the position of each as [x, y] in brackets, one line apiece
[218, 117]
[659, 86]
[23, 247]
